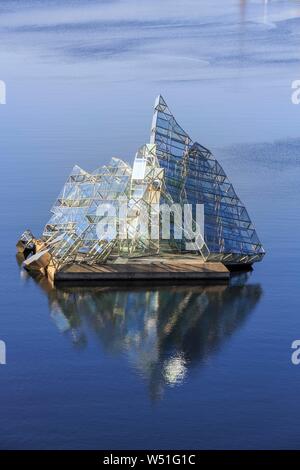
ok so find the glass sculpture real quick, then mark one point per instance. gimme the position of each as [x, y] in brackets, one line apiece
[116, 211]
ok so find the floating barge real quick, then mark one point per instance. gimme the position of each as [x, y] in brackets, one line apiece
[173, 268]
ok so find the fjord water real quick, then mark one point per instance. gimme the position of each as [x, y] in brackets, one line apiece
[150, 366]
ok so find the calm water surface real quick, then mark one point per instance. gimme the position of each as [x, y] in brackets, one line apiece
[150, 367]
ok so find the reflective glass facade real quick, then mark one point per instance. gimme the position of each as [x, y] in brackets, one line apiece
[171, 170]
[193, 175]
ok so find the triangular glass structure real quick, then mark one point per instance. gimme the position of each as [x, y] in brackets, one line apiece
[193, 175]
[172, 173]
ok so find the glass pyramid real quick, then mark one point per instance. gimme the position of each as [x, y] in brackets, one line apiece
[193, 175]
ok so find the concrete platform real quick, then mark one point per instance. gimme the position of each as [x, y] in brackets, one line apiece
[153, 268]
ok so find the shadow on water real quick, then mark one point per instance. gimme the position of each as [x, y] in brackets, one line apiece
[164, 331]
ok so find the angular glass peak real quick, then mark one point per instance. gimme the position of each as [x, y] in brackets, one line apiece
[193, 175]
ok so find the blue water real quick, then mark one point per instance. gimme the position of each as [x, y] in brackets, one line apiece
[190, 367]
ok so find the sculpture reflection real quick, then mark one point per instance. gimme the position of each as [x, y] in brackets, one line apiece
[163, 331]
